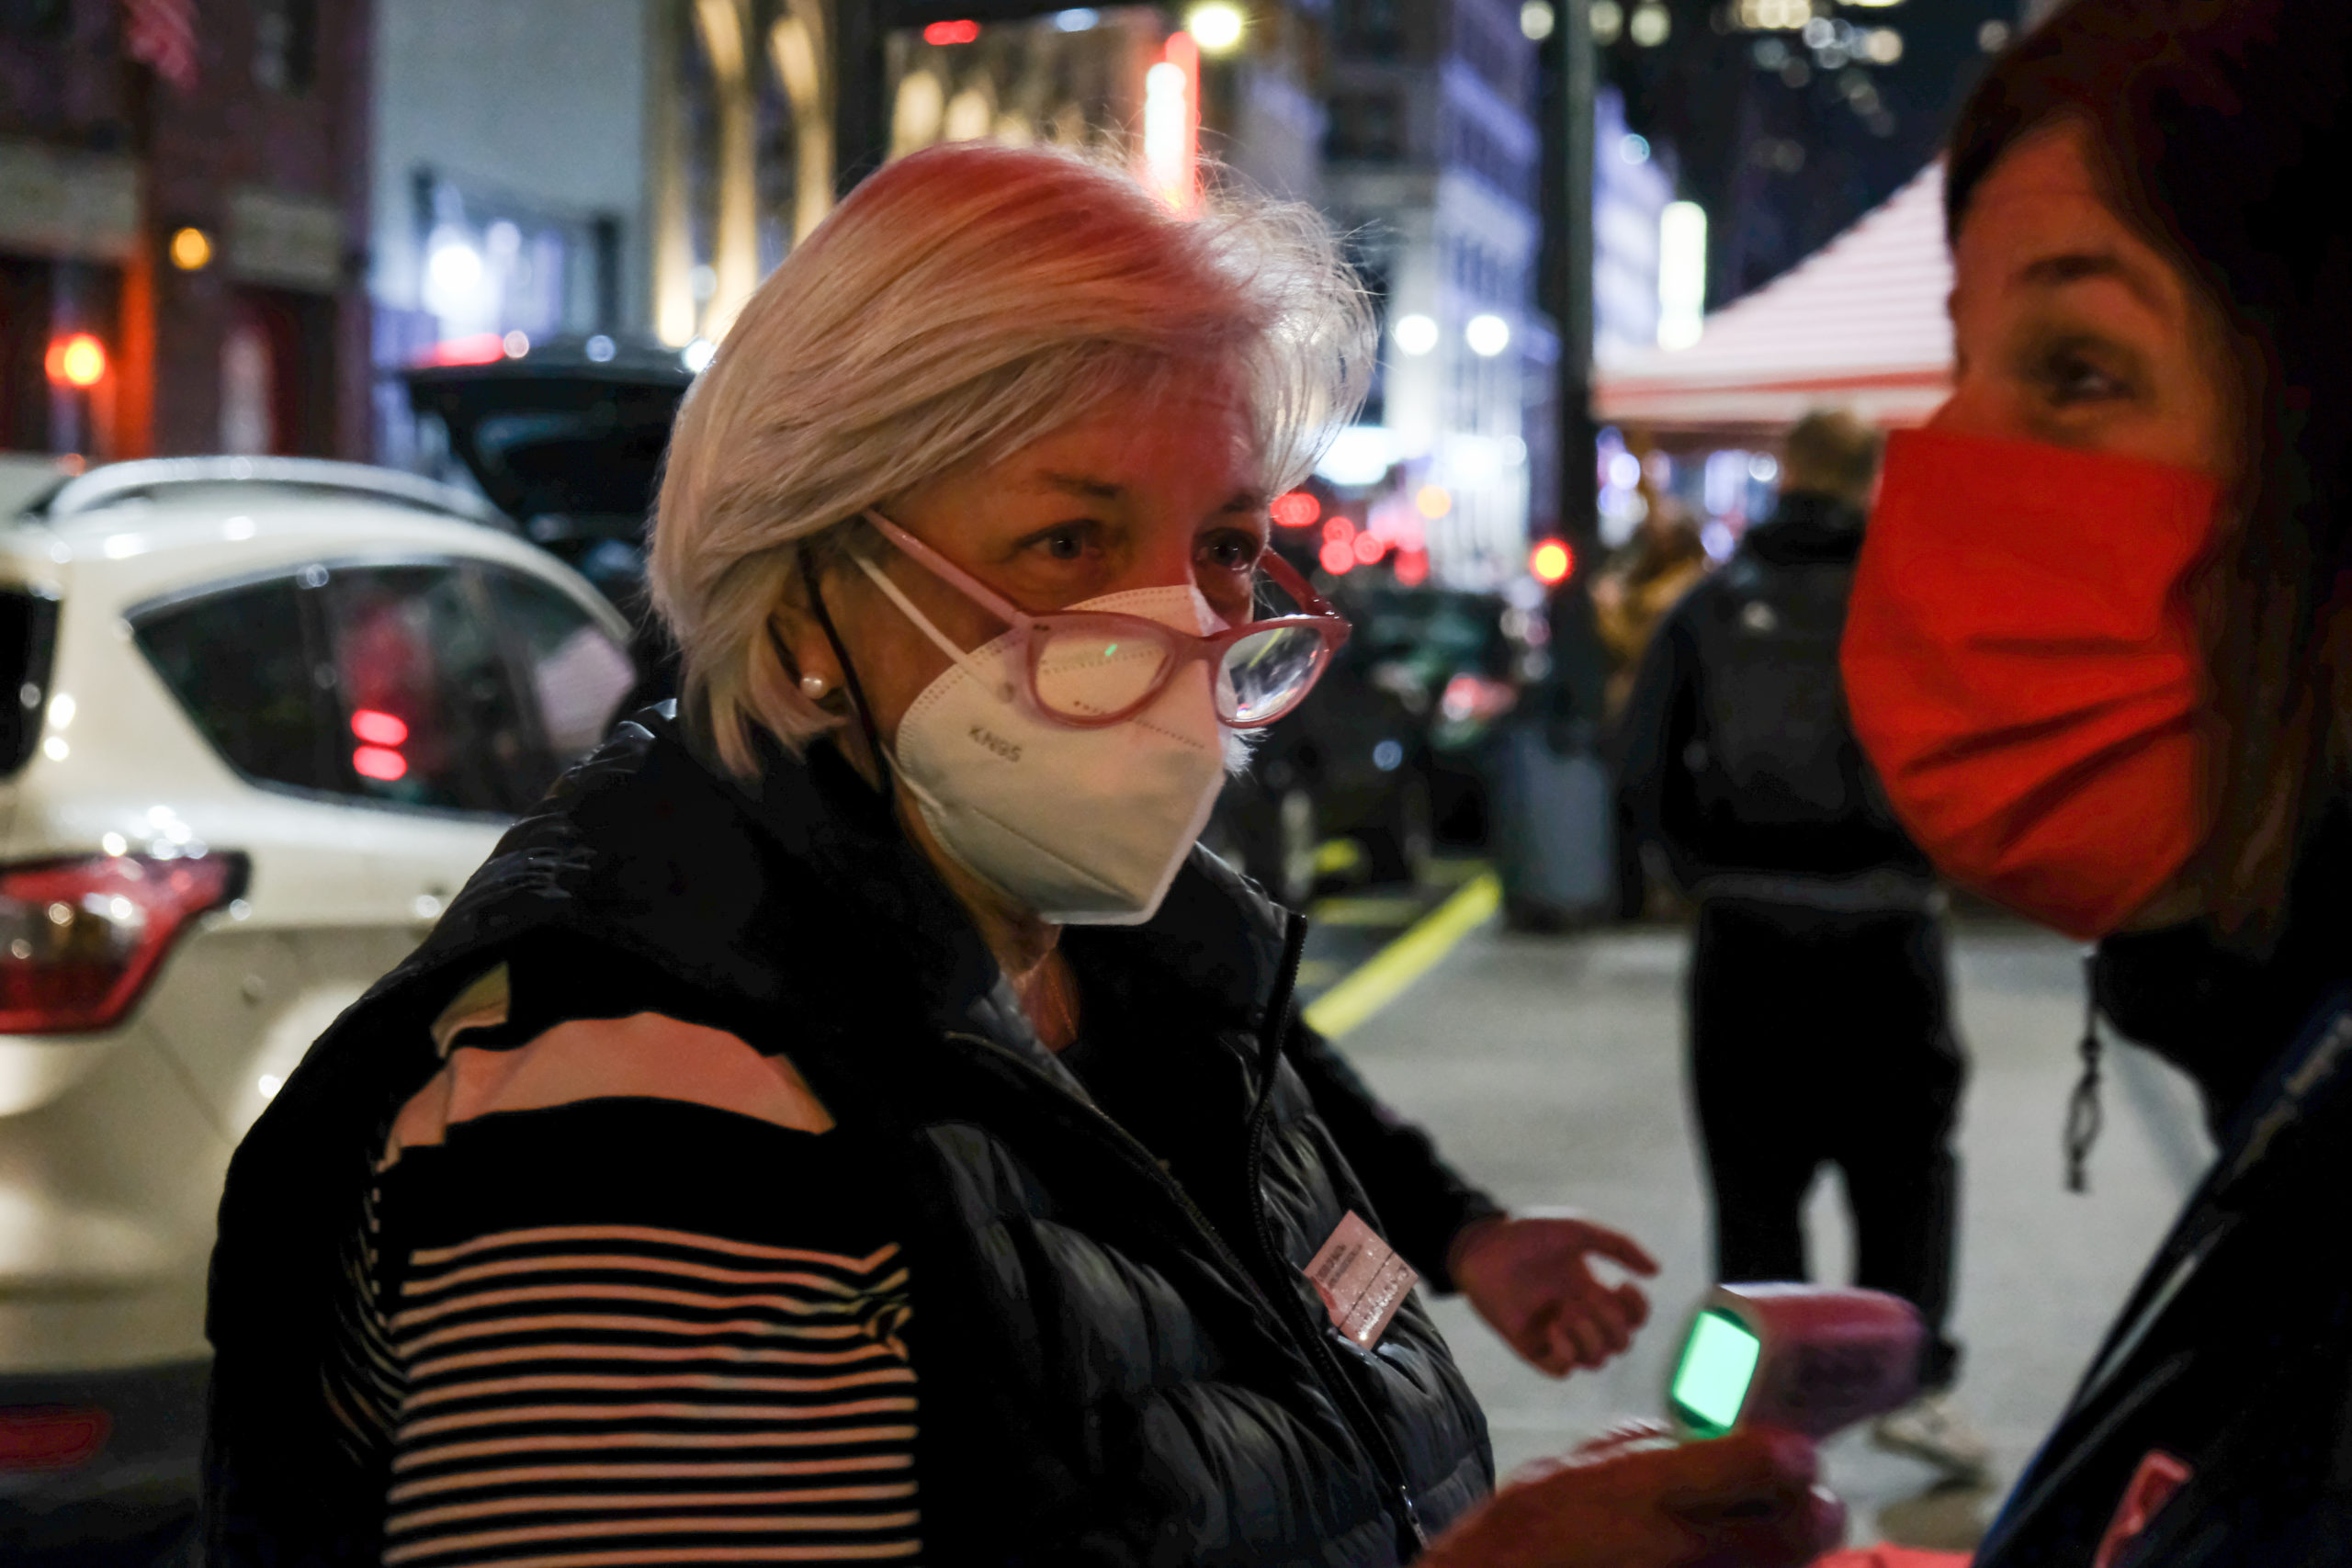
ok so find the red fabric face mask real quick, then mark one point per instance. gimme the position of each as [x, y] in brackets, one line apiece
[2022, 664]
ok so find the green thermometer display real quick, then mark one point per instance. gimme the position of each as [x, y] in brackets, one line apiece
[1718, 1364]
[1810, 1359]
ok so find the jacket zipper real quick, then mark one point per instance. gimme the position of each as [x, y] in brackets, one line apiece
[1343, 1395]
[1344, 1392]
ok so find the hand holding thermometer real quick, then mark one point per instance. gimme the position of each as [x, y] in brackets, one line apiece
[1808, 1359]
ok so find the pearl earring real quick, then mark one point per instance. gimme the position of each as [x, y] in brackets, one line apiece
[812, 686]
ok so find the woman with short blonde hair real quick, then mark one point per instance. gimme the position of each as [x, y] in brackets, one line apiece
[851, 1120]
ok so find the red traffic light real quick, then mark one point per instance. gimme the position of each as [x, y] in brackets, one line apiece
[78, 360]
[1551, 560]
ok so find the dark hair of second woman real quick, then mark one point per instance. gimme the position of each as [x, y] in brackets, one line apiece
[2216, 128]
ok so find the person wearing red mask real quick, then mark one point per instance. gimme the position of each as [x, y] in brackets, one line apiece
[2097, 651]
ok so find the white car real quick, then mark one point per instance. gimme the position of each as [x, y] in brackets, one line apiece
[268, 715]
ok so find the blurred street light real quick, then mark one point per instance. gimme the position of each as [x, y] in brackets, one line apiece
[1607, 20]
[1217, 26]
[1681, 273]
[1650, 25]
[1487, 335]
[1416, 334]
[78, 361]
[192, 249]
[1536, 20]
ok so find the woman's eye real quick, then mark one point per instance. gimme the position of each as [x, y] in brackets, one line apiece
[2071, 380]
[1064, 544]
[1235, 552]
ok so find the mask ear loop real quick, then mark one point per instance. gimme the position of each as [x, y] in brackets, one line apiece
[849, 674]
[2083, 1116]
[940, 640]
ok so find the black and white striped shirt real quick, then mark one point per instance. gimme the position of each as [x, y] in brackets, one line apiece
[619, 1302]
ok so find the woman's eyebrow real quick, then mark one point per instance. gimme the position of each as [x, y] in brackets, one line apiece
[2068, 268]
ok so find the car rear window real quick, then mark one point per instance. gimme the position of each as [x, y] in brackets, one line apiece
[28, 642]
[577, 674]
[239, 662]
[433, 716]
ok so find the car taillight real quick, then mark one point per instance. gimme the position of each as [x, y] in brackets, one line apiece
[51, 1437]
[80, 938]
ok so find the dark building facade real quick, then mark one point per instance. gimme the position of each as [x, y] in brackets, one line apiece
[208, 233]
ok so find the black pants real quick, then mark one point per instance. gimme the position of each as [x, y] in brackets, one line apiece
[1820, 1037]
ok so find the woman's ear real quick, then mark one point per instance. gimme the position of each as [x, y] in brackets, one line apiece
[807, 654]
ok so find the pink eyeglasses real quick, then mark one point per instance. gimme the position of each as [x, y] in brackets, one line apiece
[1091, 668]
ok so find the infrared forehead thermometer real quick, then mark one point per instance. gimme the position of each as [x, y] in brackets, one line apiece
[1809, 1359]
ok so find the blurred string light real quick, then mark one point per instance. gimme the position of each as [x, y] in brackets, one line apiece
[1416, 334]
[1432, 502]
[1536, 20]
[1217, 26]
[191, 248]
[1487, 335]
[1649, 26]
[1297, 508]
[1607, 20]
[1634, 149]
[516, 344]
[1883, 46]
[1774, 16]
[1681, 273]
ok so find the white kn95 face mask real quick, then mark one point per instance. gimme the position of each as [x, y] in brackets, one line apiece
[1084, 825]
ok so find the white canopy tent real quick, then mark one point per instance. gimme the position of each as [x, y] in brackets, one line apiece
[1859, 324]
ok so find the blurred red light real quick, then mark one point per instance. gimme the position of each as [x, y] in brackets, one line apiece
[379, 763]
[78, 361]
[1370, 548]
[481, 348]
[377, 728]
[1412, 568]
[1338, 557]
[1340, 530]
[1551, 562]
[952, 32]
[1297, 510]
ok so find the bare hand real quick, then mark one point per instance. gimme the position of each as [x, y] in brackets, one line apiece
[1530, 1278]
[1637, 1499]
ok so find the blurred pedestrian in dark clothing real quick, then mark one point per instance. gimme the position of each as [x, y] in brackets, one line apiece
[1820, 1026]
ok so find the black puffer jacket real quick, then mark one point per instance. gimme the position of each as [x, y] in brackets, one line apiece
[1120, 1360]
